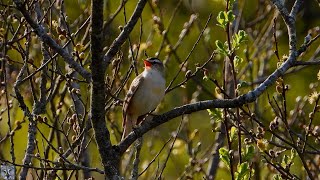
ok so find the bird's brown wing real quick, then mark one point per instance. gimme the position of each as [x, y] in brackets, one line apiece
[127, 100]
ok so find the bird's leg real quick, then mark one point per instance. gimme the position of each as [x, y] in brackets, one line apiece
[151, 113]
[135, 126]
[144, 117]
[140, 119]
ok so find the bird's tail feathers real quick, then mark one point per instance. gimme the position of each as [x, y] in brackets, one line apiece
[129, 123]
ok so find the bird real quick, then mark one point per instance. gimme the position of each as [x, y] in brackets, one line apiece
[145, 94]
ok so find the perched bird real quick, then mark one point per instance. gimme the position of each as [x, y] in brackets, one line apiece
[145, 93]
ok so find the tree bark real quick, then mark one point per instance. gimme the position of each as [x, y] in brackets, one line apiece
[110, 159]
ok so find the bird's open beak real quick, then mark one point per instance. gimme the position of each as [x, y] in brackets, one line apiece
[147, 63]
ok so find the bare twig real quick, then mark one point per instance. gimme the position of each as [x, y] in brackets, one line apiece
[171, 148]
[156, 156]
[135, 169]
[123, 36]
[188, 56]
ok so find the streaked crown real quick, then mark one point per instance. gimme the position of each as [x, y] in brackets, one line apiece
[156, 63]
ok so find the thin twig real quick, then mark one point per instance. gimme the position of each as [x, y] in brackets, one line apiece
[171, 148]
[115, 46]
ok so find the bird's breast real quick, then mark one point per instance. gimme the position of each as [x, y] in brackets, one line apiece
[150, 94]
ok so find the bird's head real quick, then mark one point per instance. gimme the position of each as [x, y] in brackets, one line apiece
[154, 63]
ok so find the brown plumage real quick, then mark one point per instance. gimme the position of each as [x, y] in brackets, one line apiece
[126, 111]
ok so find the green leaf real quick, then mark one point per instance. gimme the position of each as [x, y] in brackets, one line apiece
[219, 45]
[233, 132]
[242, 36]
[242, 84]
[248, 153]
[230, 16]
[285, 161]
[237, 61]
[243, 170]
[235, 41]
[221, 18]
[224, 156]
[221, 48]
[277, 177]
[215, 114]
[293, 154]
[238, 39]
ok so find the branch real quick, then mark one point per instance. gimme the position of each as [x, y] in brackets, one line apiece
[31, 141]
[289, 20]
[106, 25]
[306, 45]
[295, 9]
[176, 112]
[219, 142]
[51, 42]
[110, 159]
[136, 161]
[32, 130]
[66, 167]
[123, 36]
[307, 63]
